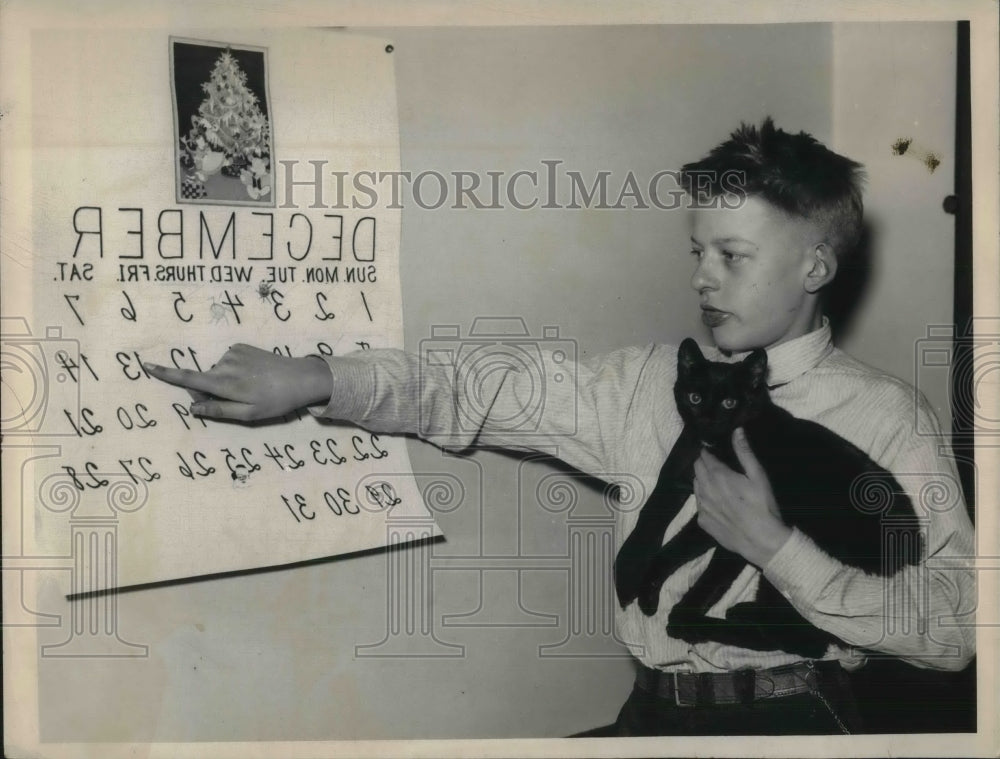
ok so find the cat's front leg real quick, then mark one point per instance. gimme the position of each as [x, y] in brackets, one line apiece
[673, 488]
[644, 544]
[688, 618]
[776, 625]
[688, 544]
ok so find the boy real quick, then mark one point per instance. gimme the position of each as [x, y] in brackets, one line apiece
[773, 216]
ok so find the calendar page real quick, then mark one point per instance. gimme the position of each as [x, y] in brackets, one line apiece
[187, 195]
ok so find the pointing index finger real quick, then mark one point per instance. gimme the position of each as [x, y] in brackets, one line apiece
[187, 378]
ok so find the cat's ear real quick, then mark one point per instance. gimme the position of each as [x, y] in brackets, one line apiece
[689, 355]
[756, 364]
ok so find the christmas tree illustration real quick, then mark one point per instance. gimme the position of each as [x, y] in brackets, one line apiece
[229, 134]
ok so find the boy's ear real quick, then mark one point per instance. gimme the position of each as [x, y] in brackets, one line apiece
[688, 355]
[823, 267]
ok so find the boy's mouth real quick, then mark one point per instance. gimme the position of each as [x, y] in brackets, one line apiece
[713, 317]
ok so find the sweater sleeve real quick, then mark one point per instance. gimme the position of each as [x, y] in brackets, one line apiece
[925, 613]
[537, 400]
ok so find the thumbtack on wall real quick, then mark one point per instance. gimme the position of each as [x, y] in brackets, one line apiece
[905, 146]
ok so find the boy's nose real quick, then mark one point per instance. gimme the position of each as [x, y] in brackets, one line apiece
[703, 279]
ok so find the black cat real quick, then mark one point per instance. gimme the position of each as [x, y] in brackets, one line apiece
[811, 470]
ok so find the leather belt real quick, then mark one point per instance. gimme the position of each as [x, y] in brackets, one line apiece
[742, 686]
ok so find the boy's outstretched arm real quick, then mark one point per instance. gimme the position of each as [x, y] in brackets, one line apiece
[576, 411]
[249, 383]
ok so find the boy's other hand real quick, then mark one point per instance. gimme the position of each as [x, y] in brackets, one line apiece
[739, 510]
[249, 383]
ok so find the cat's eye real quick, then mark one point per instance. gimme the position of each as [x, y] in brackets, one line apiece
[729, 403]
[694, 398]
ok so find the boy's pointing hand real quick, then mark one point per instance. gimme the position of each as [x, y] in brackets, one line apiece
[739, 510]
[249, 383]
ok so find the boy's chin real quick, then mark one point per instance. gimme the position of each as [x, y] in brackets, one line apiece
[728, 342]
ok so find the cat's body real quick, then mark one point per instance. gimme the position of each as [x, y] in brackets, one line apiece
[816, 477]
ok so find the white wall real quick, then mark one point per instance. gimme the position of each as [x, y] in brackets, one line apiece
[271, 655]
[906, 89]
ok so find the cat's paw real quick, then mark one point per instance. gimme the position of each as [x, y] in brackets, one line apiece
[746, 613]
[649, 599]
[625, 596]
[688, 627]
[626, 585]
[648, 594]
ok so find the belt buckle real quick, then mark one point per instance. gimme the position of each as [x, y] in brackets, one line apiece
[690, 677]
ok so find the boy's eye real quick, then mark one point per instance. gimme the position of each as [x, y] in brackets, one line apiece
[694, 398]
[696, 253]
[729, 403]
[732, 257]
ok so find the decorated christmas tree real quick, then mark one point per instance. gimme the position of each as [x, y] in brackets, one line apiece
[229, 133]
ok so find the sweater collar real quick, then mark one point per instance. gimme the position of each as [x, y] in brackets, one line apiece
[789, 360]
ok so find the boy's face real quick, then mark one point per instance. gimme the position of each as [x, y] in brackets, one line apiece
[752, 267]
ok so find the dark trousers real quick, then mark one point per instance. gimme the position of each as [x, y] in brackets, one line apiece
[829, 711]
